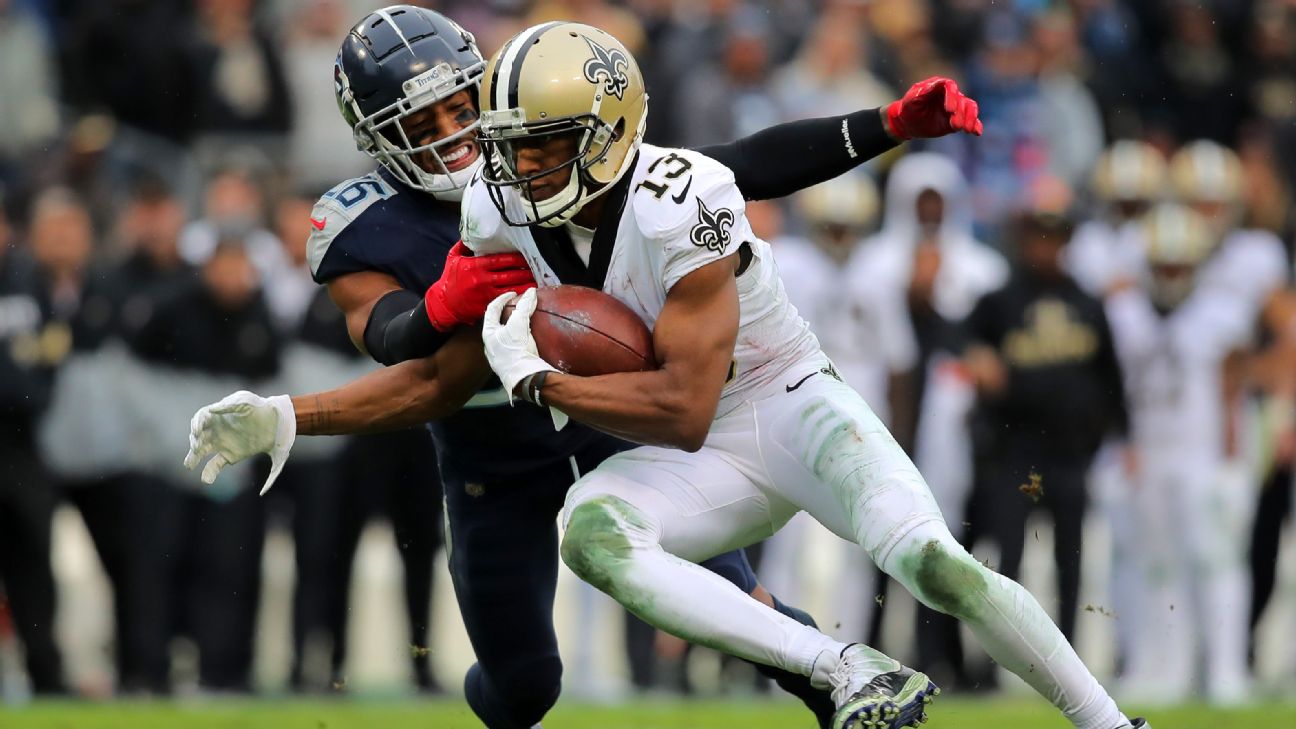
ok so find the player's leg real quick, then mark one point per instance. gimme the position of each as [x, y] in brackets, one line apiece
[1162, 659]
[870, 491]
[636, 524]
[415, 509]
[618, 518]
[502, 547]
[26, 511]
[1216, 522]
[734, 567]
[1066, 495]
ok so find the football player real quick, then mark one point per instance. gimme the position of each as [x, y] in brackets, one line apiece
[1174, 338]
[745, 422]
[1105, 252]
[383, 244]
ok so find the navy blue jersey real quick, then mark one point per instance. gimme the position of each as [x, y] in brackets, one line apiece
[374, 223]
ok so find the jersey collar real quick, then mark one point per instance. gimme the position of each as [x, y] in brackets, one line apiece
[556, 247]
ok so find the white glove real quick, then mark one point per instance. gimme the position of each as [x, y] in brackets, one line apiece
[510, 348]
[241, 425]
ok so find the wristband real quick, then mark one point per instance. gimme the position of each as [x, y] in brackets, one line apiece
[531, 386]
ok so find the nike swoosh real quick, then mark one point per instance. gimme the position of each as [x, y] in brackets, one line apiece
[680, 197]
[319, 224]
[800, 382]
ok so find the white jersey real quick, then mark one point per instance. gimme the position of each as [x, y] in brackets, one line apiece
[1250, 265]
[1173, 368]
[682, 211]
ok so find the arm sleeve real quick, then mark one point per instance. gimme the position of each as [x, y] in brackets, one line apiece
[399, 329]
[783, 159]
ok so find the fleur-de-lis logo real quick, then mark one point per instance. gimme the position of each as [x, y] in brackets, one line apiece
[712, 230]
[610, 66]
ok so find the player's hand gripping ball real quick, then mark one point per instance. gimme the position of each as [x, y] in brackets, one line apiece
[583, 331]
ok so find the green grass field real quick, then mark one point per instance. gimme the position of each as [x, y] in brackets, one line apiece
[324, 714]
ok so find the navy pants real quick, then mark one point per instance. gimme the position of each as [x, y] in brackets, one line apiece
[503, 554]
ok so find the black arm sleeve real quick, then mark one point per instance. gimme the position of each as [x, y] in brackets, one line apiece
[399, 329]
[783, 159]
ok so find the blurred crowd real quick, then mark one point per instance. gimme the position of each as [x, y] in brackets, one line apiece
[1088, 306]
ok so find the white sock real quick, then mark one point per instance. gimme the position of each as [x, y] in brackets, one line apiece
[1006, 619]
[869, 661]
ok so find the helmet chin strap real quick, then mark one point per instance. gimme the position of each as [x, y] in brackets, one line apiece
[564, 197]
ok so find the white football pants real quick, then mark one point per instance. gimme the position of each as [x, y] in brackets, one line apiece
[635, 524]
[1194, 516]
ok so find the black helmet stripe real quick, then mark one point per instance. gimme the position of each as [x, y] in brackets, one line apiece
[496, 96]
[506, 92]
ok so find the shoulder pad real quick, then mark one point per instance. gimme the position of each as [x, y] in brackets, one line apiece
[668, 185]
[338, 208]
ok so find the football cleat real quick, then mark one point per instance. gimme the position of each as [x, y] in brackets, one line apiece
[890, 700]
[1140, 723]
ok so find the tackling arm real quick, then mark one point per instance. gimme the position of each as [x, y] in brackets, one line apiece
[674, 405]
[245, 424]
[401, 396]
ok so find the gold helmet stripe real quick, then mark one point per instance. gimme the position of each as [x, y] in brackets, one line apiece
[505, 92]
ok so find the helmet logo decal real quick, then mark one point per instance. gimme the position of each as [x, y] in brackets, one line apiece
[610, 65]
[712, 230]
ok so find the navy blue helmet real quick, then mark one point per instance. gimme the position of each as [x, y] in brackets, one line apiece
[397, 61]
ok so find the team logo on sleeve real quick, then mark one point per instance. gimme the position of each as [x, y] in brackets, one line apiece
[610, 66]
[712, 230]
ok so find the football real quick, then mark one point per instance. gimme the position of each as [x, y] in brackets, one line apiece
[583, 331]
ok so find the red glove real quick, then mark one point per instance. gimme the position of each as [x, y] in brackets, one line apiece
[469, 283]
[932, 108]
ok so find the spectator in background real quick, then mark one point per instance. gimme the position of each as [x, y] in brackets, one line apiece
[815, 269]
[310, 49]
[317, 353]
[923, 271]
[1040, 352]
[1065, 101]
[119, 302]
[219, 326]
[1271, 73]
[830, 75]
[29, 116]
[244, 96]
[135, 102]
[234, 207]
[733, 99]
[135, 60]
[618, 21]
[340, 485]
[1014, 148]
[1119, 68]
[1200, 76]
[30, 349]
[61, 239]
